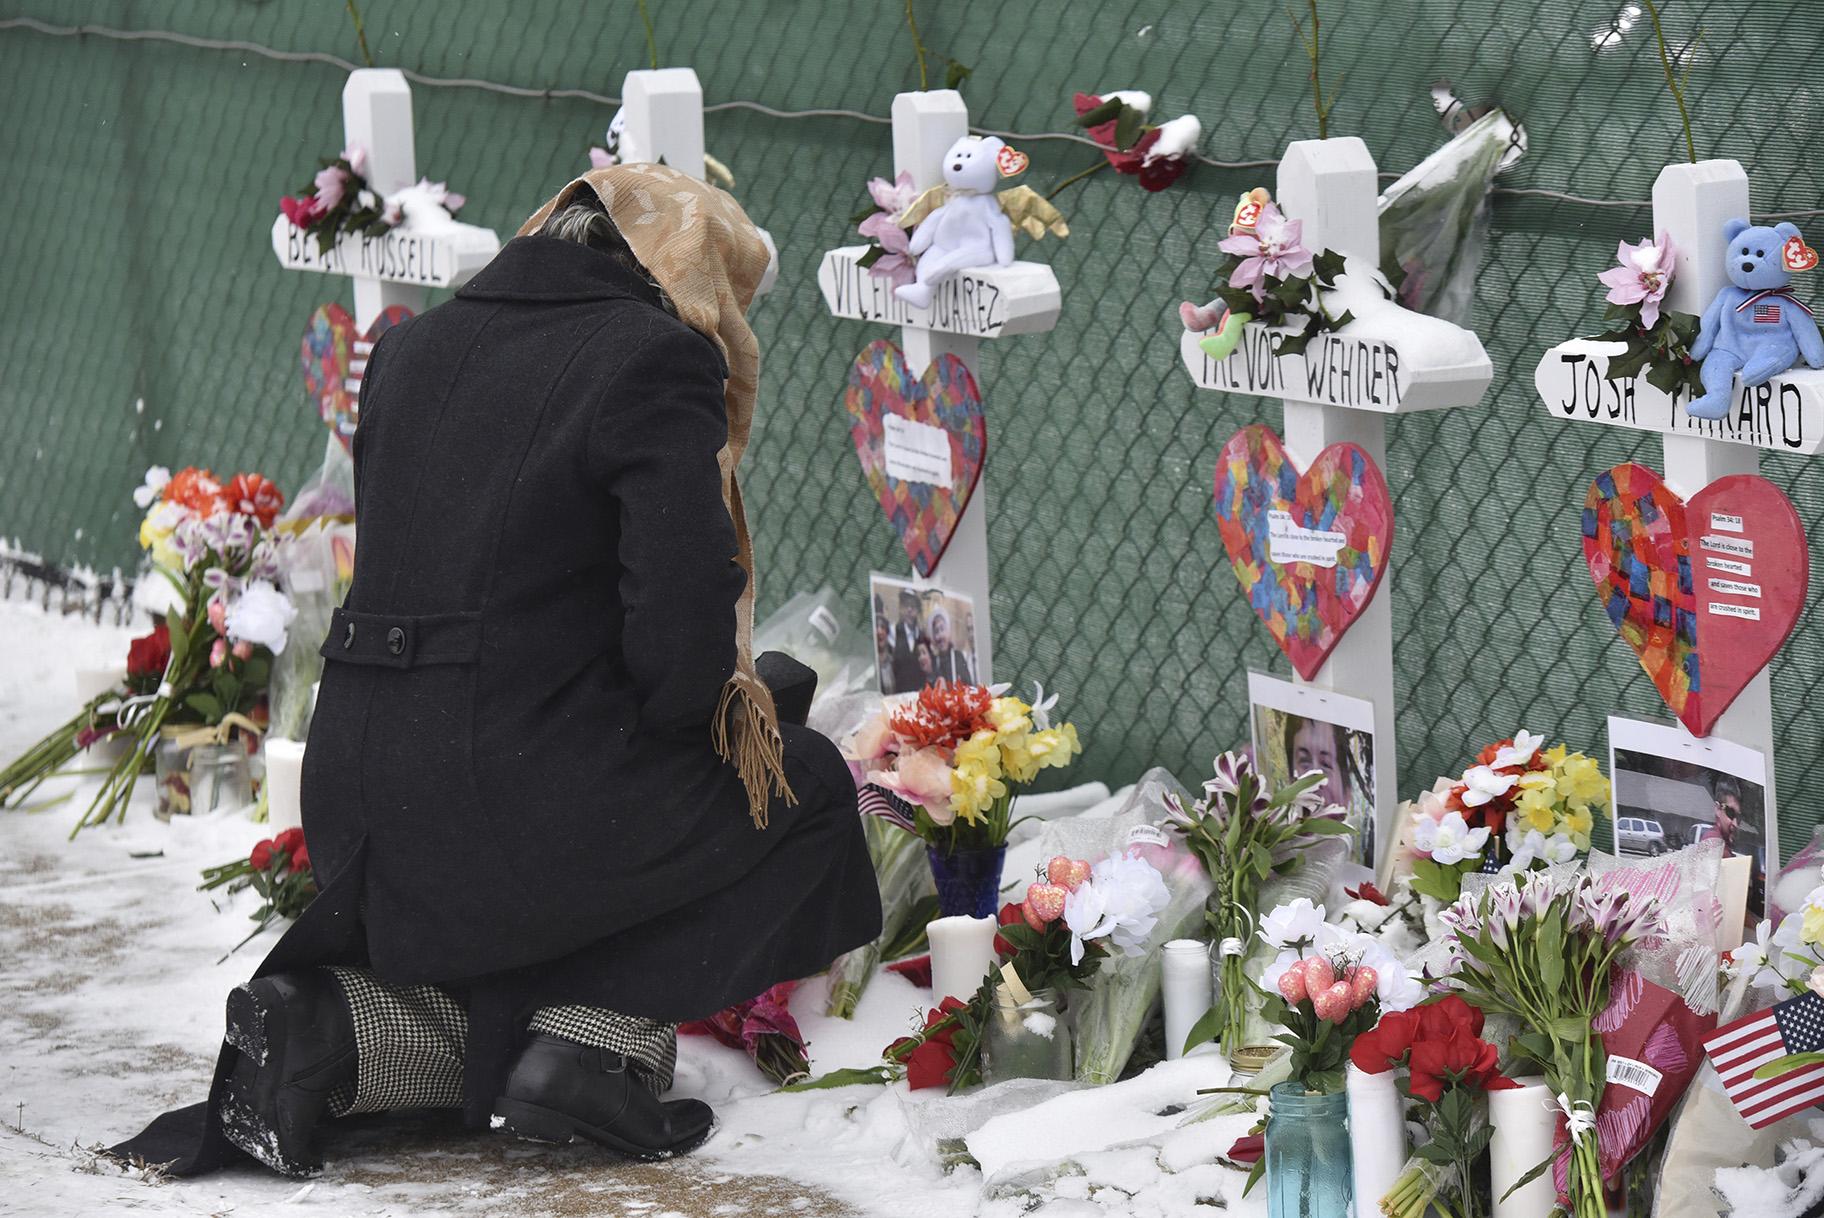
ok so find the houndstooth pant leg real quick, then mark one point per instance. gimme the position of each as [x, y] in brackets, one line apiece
[409, 1042]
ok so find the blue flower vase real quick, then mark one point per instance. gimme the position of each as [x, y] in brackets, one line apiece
[1309, 1172]
[968, 881]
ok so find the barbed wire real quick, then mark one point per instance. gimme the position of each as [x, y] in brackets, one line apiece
[490, 86]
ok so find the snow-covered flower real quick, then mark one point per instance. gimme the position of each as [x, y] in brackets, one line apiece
[1644, 273]
[1292, 925]
[1519, 752]
[1121, 901]
[157, 478]
[261, 615]
[1448, 841]
[1166, 151]
[1484, 783]
[1275, 248]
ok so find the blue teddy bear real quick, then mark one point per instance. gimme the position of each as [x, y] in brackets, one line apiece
[1755, 326]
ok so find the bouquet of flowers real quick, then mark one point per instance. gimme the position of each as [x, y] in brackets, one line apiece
[278, 868]
[954, 757]
[1541, 948]
[1519, 806]
[763, 1028]
[228, 619]
[1245, 835]
[1449, 1064]
[338, 200]
[1073, 918]
[1788, 959]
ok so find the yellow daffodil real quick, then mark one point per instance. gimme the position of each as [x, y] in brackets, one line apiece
[1578, 822]
[1811, 930]
[973, 790]
[981, 751]
[1010, 715]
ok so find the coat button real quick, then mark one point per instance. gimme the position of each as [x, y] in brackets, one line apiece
[348, 640]
[395, 640]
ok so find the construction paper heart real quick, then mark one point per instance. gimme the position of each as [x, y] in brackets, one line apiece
[335, 355]
[921, 440]
[1704, 591]
[1797, 255]
[1309, 549]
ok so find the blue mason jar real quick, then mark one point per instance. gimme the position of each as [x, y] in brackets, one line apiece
[968, 881]
[1308, 1167]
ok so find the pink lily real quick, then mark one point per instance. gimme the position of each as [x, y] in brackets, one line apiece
[1275, 248]
[1644, 274]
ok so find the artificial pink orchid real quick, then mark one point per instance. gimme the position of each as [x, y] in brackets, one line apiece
[892, 198]
[1275, 248]
[1644, 274]
[331, 184]
[923, 778]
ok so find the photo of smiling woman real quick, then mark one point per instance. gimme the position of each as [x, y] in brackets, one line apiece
[1287, 745]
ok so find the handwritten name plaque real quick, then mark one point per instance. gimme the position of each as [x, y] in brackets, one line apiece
[1784, 415]
[987, 302]
[445, 258]
[1359, 370]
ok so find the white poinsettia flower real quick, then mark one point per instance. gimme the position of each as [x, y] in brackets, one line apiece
[1121, 901]
[1520, 751]
[1292, 924]
[1485, 783]
[261, 615]
[1449, 841]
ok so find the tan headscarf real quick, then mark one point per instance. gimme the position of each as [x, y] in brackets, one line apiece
[708, 256]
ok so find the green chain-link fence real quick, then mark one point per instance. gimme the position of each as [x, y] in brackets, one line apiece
[143, 319]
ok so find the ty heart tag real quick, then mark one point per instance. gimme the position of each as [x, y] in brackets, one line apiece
[1309, 549]
[1011, 161]
[1798, 256]
[335, 358]
[921, 440]
[1704, 591]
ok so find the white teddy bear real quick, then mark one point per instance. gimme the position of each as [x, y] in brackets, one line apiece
[970, 229]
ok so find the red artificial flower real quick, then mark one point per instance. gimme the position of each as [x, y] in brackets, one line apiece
[946, 714]
[148, 655]
[930, 1057]
[1010, 915]
[1160, 172]
[1438, 1020]
[261, 857]
[1367, 892]
[1247, 1149]
[255, 495]
[290, 841]
[1123, 161]
[195, 489]
[300, 211]
[916, 969]
[1385, 1045]
[300, 861]
[1460, 1058]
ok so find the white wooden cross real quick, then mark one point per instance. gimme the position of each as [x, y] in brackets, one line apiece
[397, 267]
[988, 302]
[1690, 204]
[1412, 363]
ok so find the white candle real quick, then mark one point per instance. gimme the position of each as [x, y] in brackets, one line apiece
[1522, 1119]
[1377, 1135]
[962, 952]
[1187, 990]
[284, 783]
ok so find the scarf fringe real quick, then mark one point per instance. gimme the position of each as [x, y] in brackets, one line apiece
[745, 733]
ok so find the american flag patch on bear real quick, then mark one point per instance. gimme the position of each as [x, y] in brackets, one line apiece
[1766, 314]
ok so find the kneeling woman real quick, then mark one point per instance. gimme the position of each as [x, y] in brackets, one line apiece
[552, 803]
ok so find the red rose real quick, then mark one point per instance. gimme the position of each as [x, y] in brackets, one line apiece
[1439, 1019]
[147, 658]
[300, 211]
[1385, 1045]
[1010, 915]
[1459, 1058]
[301, 860]
[1367, 892]
[256, 496]
[931, 1062]
[1161, 171]
[261, 858]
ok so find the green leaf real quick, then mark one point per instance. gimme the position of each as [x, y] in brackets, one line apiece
[1787, 1064]
[955, 74]
[875, 254]
[1436, 881]
[1551, 952]
[864, 213]
[1128, 126]
[1110, 109]
[1327, 266]
[1206, 1029]
[1325, 827]
[1666, 376]
[206, 705]
[1435, 1152]
[875, 1075]
[1529, 1177]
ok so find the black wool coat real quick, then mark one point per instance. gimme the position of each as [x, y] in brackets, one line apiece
[509, 787]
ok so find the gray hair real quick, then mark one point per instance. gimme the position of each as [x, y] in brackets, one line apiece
[584, 221]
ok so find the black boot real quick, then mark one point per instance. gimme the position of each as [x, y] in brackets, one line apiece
[559, 1089]
[295, 1042]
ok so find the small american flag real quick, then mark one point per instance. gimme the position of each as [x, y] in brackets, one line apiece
[1766, 314]
[1739, 1049]
[878, 801]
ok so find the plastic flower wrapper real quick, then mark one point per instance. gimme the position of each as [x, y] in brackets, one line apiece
[1110, 1012]
[764, 1029]
[1434, 220]
[316, 554]
[815, 629]
[904, 878]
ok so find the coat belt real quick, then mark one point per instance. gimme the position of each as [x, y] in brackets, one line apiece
[392, 640]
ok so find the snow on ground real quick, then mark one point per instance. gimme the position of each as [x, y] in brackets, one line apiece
[112, 978]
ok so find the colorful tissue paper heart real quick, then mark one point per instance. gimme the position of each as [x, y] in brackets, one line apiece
[334, 355]
[1704, 591]
[1309, 549]
[921, 440]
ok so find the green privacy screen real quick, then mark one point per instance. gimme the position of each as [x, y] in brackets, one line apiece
[144, 321]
